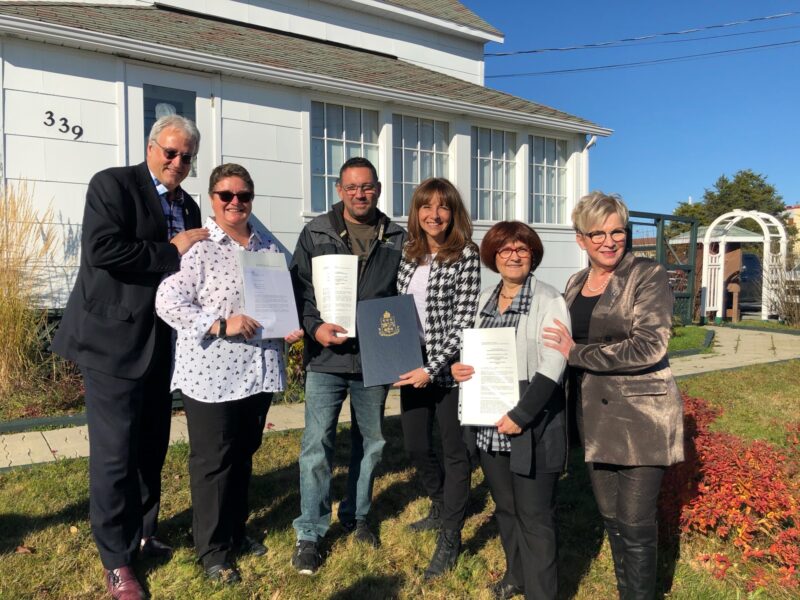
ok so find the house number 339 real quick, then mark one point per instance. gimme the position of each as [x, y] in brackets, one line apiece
[63, 124]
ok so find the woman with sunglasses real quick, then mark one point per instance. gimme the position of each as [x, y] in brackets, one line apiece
[441, 269]
[226, 372]
[628, 409]
[523, 454]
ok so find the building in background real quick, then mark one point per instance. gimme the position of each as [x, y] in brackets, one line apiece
[290, 90]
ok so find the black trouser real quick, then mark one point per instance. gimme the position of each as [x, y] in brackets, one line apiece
[223, 436]
[446, 484]
[128, 421]
[525, 513]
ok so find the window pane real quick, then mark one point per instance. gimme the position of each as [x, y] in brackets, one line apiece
[474, 142]
[551, 181]
[510, 184]
[562, 182]
[369, 118]
[442, 135]
[538, 180]
[484, 173]
[473, 204]
[474, 175]
[550, 151]
[317, 157]
[408, 191]
[397, 131]
[497, 144]
[509, 206]
[551, 209]
[497, 205]
[352, 123]
[538, 149]
[333, 196]
[425, 134]
[442, 169]
[410, 133]
[562, 153]
[511, 146]
[538, 208]
[371, 154]
[410, 166]
[352, 150]
[317, 119]
[397, 200]
[497, 175]
[484, 199]
[318, 194]
[425, 165]
[335, 157]
[397, 164]
[484, 141]
[333, 121]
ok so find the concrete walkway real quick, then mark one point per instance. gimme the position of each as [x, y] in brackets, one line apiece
[733, 348]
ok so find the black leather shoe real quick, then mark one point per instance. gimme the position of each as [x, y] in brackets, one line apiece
[504, 591]
[250, 547]
[122, 584]
[430, 522]
[152, 547]
[223, 573]
[448, 545]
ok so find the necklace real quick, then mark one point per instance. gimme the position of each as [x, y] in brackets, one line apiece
[511, 297]
[601, 287]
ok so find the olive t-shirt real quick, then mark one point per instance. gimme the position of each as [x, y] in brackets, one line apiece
[361, 236]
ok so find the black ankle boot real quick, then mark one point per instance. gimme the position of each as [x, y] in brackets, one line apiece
[432, 521]
[448, 545]
[617, 553]
[641, 553]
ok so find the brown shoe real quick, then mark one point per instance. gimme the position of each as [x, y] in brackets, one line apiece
[123, 585]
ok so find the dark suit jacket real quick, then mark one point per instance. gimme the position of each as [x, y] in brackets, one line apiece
[632, 410]
[109, 323]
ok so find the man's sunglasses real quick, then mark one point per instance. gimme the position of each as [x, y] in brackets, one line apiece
[227, 196]
[171, 153]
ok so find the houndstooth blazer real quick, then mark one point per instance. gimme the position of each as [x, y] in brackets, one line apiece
[451, 300]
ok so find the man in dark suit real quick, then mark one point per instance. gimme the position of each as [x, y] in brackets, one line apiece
[137, 224]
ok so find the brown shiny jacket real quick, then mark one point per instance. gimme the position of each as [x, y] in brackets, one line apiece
[632, 410]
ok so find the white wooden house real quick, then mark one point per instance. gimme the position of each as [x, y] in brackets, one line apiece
[290, 89]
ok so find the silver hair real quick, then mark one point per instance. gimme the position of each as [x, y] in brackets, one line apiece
[187, 126]
[594, 208]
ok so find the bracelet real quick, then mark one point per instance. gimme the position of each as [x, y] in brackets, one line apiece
[223, 326]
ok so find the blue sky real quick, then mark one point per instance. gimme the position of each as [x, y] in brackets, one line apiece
[677, 126]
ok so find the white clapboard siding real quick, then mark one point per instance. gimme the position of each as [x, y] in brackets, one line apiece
[260, 103]
[42, 159]
[261, 141]
[59, 71]
[37, 114]
[65, 199]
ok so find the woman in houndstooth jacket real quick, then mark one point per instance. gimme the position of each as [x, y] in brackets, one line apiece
[441, 269]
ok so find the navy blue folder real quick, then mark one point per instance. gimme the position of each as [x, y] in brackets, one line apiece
[388, 338]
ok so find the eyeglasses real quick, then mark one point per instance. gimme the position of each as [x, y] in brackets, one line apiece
[598, 237]
[227, 196]
[366, 188]
[171, 153]
[522, 252]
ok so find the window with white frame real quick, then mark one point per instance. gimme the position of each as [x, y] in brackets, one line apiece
[493, 174]
[420, 150]
[548, 176]
[338, 133]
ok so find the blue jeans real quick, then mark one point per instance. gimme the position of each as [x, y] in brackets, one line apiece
[325, 393]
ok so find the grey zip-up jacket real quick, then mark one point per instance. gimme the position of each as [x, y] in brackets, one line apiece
[327, 234]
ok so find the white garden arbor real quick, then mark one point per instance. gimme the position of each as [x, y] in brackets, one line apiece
[712, 297]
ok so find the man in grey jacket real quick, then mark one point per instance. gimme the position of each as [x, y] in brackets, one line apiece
[353, 226]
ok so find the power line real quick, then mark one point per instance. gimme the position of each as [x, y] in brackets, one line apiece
[643, 62]
[641, 37]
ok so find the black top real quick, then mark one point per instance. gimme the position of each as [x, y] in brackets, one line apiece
[581, 315]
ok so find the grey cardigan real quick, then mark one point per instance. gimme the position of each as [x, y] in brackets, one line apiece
[542, 445]
[632, 410]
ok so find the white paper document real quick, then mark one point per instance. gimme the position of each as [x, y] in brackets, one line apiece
[268, 294]
[494, 388]
[335, 280]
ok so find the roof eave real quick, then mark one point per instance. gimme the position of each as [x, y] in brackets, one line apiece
[189, 59]
[409, 16]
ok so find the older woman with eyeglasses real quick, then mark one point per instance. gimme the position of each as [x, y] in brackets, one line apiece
[629, 412]
[227, 373]
[524, 453]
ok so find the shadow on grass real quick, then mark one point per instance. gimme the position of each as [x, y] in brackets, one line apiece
[372, 587]
[16, 527]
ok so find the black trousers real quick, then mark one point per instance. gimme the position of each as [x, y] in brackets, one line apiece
[628, 495]
[525, 513]
[446, 484]
[223, 436]
[128, 421]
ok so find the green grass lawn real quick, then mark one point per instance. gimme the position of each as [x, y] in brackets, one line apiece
[45, 508]
[763, 325]
[688, 338]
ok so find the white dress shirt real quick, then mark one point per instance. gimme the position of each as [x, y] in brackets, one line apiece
[207, 287]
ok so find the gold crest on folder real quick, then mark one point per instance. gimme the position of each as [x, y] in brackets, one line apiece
[388, 326]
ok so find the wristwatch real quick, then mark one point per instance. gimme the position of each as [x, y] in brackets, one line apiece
[223, 326]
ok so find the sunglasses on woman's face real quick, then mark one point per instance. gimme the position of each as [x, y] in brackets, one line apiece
[227, 196]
